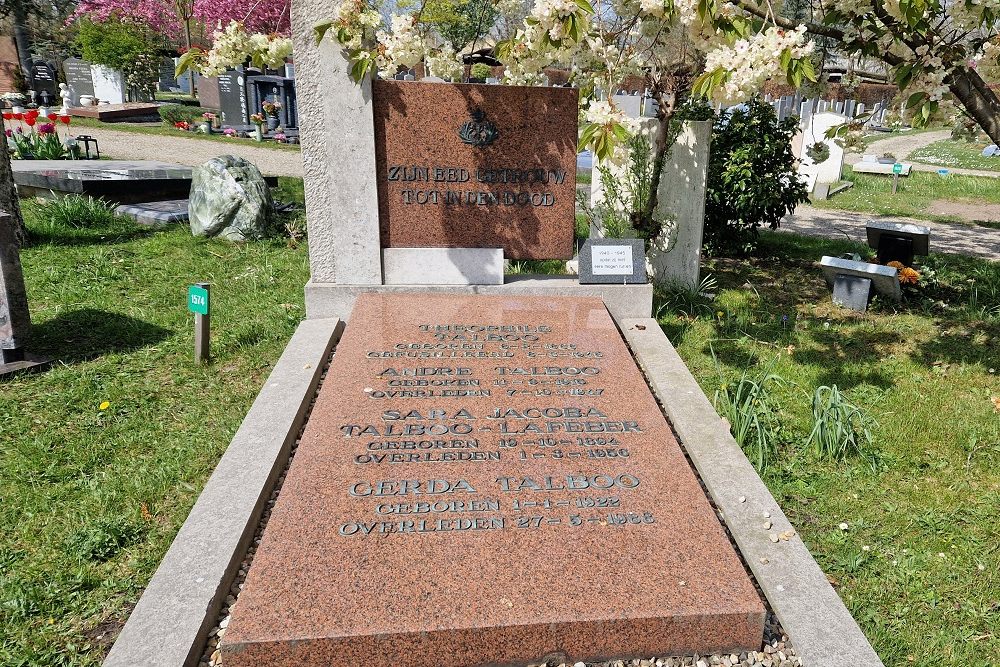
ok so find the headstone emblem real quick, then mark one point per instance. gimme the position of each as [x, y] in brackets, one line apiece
[478, 131]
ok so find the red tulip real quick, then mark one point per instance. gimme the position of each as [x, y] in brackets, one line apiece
[65, 119]
[18, 116]
[33, 113]
[30, 120]
[52, 117]
[8, 116]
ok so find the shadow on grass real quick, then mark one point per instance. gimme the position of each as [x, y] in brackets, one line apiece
[80, 335]
[849, 359]
[38, 235]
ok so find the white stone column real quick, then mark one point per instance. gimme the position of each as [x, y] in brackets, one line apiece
[681, 196]
[338, 156]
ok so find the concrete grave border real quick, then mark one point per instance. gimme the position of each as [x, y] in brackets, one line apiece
[170, 624]
[811, 613]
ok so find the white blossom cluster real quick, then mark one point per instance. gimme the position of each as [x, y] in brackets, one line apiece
[232, 46]
[401, 46]
[354, 19]
[748, 63]
[446, 64]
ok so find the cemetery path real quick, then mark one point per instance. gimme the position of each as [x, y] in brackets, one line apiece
[123, 145]
[948, 237]
[902, 145]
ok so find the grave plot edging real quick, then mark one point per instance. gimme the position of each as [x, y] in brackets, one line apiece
[819, 625]
[170, 624]
[622, 301]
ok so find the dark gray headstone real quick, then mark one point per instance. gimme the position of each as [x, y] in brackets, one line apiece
[885, 279]
[43, 77]
[852, 292]
[618, 261]
[167, 81]
[918, 234]
[233, 99]
[78, 77]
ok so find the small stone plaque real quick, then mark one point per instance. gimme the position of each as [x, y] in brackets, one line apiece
[613, 261]
[919, 234]
[852, 292]
[884, 279]
[488, 480]
[476, 166]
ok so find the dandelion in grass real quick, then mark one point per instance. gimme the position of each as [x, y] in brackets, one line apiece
[104, 405]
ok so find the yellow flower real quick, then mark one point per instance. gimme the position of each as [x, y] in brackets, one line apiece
[908, 276]
[896, 265]
[105, 405]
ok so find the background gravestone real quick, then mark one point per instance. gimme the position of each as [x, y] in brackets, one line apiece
[43, 76]
[79, 78]
[233, 98]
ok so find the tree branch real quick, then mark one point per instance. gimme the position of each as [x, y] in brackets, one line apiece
[781, 22]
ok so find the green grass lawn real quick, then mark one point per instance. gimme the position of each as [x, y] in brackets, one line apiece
[951, 153]
[92, 497]
[919, 565]
[872, 193]
[160, 129]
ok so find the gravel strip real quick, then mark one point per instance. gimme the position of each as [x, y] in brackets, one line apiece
[124, 145]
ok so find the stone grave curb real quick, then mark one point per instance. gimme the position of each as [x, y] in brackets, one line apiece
[812, 614]
[170, 624]
[622, 301]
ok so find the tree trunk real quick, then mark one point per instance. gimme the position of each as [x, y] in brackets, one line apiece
[22, 39]
[979, 100]
[8, 194]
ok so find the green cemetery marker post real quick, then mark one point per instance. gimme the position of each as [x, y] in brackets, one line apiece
[198, 303]
[897, 169]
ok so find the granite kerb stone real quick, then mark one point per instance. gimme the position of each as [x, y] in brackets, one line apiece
[812, 614]
[171, 622]
[324, 300]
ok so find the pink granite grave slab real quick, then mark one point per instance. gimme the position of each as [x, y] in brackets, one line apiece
[476, 166]
[488, 481]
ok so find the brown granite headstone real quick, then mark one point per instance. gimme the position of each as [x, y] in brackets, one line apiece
[488, 481]
[476, 166]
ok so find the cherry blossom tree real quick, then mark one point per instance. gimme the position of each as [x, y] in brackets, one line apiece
[723, 50]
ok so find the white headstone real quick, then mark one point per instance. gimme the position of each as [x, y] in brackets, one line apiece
[109, 84]
[827, 171]
[629, 104]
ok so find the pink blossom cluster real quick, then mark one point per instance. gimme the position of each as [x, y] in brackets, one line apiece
[264, 16]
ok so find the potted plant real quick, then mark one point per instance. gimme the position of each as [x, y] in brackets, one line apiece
[258, 120]
[15, 101]
[208, 119]
[479, 73]
[280, 137]
[271, 109]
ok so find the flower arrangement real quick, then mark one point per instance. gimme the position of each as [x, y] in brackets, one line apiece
[907, 275]
[229, 132]
[183, 125]
[280, 137]
[257, 119]
[13, 99]
[32, 140]
[272, 107]
[209, 116]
